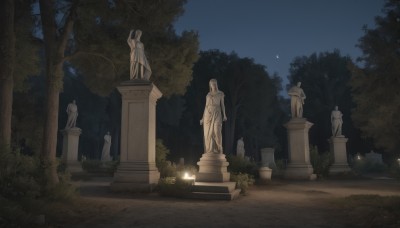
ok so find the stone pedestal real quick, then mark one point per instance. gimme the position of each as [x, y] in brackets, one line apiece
[70, 149]
[137, 170]
[265, 174]
[213, 168]
[267, 157]
[299, 166]
[338, 148]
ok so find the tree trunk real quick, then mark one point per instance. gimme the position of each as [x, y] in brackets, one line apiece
[7, 63]
[48, 155]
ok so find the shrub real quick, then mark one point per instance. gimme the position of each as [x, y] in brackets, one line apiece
[395, 169]
[97, 166]
[17, 175]
[175, 187]
[241, 165]
[165, 167]
[363, 166]
[243, 181]
[320, 162]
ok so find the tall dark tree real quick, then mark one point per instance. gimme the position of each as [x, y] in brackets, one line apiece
[325, 80]
[376, 84]
[7, 61]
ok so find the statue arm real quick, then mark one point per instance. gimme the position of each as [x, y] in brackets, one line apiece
[130, 38]
[223, 107]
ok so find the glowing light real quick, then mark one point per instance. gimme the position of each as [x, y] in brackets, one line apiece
[277, 56]
[358, 157]
[187, 177]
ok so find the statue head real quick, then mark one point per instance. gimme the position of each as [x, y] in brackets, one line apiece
[336, 108]
[73, 101]
[108, 132]
[138, 34]
[298, 84]
[213, 85]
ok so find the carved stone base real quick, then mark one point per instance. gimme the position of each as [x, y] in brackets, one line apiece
[70, 149]
[338, 148]
[299, 172]
[213, 168]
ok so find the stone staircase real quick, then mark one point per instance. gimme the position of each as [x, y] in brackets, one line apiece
[214, 191]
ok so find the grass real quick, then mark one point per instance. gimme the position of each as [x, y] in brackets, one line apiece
[371, 210]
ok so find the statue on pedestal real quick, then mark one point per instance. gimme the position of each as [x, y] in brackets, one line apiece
[140, 68]
[297, 97]
[213, 116]
[336, 120]
[105, 154]
[72, 111]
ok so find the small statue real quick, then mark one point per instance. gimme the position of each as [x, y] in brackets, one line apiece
[72, 111]
[213, 116]
[105, 154]
[297, 96]
[336, 120]
[240, 148]
[140, 68]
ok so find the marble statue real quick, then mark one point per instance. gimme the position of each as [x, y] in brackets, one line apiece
[213, 116]
[140, 68]
[336, 120]
[240, 148]
[297, 97]
[105, 154]
[72, 111]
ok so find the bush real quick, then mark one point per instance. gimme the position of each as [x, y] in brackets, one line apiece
[175, 187]
[395, 169]
[17, 175]
[321, 162]
[363, 166]
[241, 165]
[97, 166]
[243, 181]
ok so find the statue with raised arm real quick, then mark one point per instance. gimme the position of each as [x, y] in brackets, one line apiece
[297, 97]
[213, 116]
[140, 68]
[337, 121]
[72, 111]
[105, 153]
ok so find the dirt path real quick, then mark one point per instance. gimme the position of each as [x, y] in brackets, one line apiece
[280, 204]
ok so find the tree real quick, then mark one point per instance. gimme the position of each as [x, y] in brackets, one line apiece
[325, 78]
[91, 35]
[7, 61]
[375, 85]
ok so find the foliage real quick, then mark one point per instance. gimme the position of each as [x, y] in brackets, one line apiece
[325, 80]
[394, 169]
[241, 165]
[165, 167]
[279, 169]
[320, 162]
[372, 210]
[64, 190]
[97, 166]
[17, 175]
[243, 181]
[363, 166]
[375, 85]
[175, 187]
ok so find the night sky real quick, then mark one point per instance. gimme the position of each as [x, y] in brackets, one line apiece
[274, 32]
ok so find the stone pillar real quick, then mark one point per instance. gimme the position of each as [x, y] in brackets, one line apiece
[137, 170]
[338, 148]
[299, 166]
[267, 157]
[213, 168]
[70, 149]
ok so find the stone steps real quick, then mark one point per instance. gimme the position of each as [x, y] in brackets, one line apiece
[214, 191]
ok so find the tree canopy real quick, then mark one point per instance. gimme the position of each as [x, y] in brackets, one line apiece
[375, 81]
